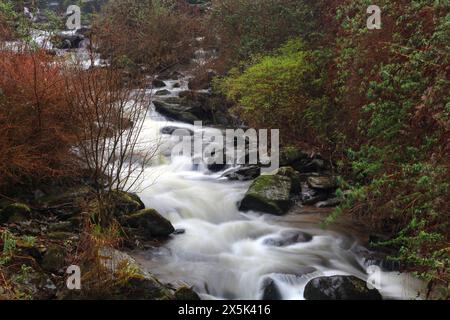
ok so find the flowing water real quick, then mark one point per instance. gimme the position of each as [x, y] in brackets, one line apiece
[226, 254]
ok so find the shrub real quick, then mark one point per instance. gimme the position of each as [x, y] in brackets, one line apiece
[281, 90]
[35, 132]
[152, 33]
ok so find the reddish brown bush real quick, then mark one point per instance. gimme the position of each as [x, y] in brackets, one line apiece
[35, 132]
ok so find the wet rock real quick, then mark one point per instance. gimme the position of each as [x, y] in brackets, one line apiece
[175, 111]
[287, 238]
[157, 83]
[172, 129]
[54, 258]
[162, 92]
[179, 231]
[142, 288]
[322, 182]
[293, 175]
[268, 194]
[311, 196]
[139, 286]
[68, 40]
[270, 290]
[243, 173]
[186, 294]
[149, 223]
[121, 202]
[339, 288]
[16, 212]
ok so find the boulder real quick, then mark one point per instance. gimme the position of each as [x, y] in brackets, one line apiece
[149, 223]
[268, 194]
[157, 83]
[293, 175]
[243, 173]
[124, 203]
[15, 212]
[142, 288]
[140, 285]
[322, 182]
[175, 111]
[163, 92]
[68, 40]
[270, 290]
[311, 196]
[186, 294]
[287, 238]
[54, 258]
[339, 288]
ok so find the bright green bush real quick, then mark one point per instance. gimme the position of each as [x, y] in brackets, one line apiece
[280, 90]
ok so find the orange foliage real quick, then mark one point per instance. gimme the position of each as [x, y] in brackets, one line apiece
[35, 130]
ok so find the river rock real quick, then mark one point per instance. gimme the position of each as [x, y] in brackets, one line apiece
[243, 173]
[141, 285]
[268, 194]
[186, 294]
[149, 223]
[68, 40]
[293, 175]
[162, 92]
[157, 83]
[16, 212]
[287, 238]
[125, 202]
[175, 111]
[322, 182]
[339, 288]
[270, 290]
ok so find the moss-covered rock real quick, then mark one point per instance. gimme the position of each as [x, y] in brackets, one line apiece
[16, 212]
[54, 258]
[268, 194]
[186, 294]
[120, 203]
[294, 176]
[142, 288]
[149, 223]
[339, 288]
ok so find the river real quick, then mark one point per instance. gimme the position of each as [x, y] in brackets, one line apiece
[226, 254]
